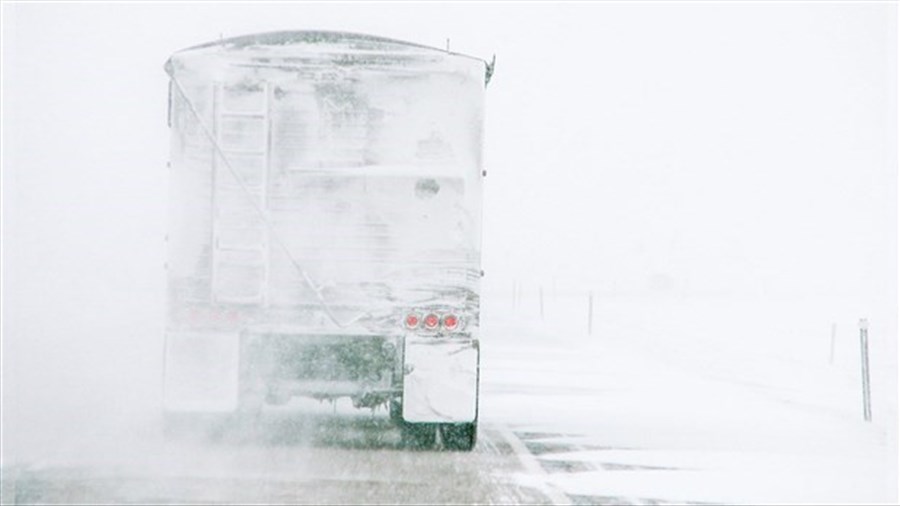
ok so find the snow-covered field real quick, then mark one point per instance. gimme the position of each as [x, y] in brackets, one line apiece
[695, 400]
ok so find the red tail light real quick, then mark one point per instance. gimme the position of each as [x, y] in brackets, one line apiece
[431, 321]
[412, 321]
[450, 322]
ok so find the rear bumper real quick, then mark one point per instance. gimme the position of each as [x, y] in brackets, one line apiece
[213, 371]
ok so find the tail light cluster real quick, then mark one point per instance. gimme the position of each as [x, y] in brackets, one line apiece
[432, 321]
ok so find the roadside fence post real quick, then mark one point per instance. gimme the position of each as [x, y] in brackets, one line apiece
[833, 333]
[590, 312]
[864, 356]
[541, 297]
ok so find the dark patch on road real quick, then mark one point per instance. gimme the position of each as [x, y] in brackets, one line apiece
[612, 466]
[566, 466]
[539, 448]
[525, 436]
[537, 443]
[580, 466]
[637, 501]
[543, 448]
[546, 444]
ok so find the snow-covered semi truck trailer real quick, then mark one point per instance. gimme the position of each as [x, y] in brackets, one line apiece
[325, 228]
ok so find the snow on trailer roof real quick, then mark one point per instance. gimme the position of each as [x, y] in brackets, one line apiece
[311, 45]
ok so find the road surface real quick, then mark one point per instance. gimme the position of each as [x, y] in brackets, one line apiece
[581, 420]
[291, 457]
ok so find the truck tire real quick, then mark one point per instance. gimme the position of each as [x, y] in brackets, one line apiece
[418, 436]
[395, 412]
[244, 422]
[459, 436]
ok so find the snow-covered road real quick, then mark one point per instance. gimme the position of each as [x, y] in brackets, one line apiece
[613, 418]
[330, 460]
[622, 417]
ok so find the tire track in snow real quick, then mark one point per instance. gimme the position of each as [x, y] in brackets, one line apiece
[531, 465]
[550, 455]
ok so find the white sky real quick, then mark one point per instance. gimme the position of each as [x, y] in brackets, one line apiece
[747, 147]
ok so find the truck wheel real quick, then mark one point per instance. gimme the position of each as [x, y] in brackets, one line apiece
[418, 436]
[244, 421]
[459, 436]
[395, 412]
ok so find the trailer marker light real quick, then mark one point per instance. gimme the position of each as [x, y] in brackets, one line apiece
[431, 321]
[412, 321]
[450, 322]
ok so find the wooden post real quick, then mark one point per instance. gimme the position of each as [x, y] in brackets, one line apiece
[833, 333]
[590, 312]
[541, 299]
[519, 290]
[864, 358]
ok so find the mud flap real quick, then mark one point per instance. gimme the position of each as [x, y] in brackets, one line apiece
[201, 372]
[440, 383]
